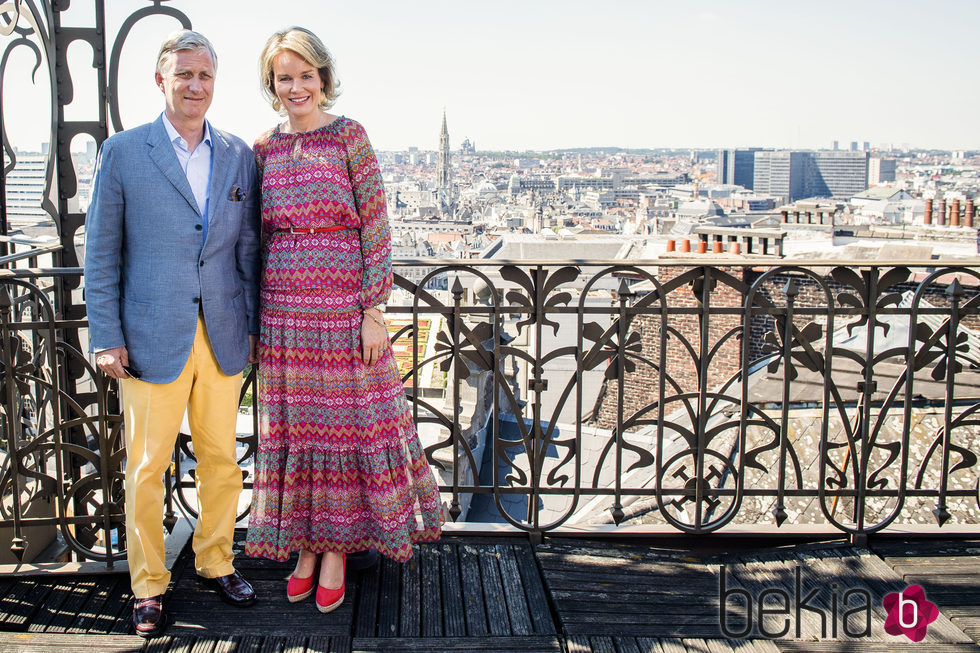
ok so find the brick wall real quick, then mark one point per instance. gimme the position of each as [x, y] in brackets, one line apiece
[641, 387]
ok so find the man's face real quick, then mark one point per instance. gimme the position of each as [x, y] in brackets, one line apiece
[187, 83]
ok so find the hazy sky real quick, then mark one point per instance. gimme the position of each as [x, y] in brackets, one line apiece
[563, 73]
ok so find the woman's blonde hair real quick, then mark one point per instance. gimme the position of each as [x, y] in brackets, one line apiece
[305, 44]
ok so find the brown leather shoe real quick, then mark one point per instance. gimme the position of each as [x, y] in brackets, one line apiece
[149, 618]
[232, 589]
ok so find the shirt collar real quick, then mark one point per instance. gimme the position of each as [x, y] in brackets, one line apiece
[175, 136]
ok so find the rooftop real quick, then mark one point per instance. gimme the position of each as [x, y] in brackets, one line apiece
[496, 594]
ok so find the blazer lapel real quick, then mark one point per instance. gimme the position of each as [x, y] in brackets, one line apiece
[163, 155]
[220, 169]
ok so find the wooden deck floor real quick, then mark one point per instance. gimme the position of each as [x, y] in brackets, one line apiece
[565, 596]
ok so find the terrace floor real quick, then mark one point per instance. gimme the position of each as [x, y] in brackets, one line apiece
[486, 594]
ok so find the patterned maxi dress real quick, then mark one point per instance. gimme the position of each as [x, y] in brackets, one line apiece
[339, 465]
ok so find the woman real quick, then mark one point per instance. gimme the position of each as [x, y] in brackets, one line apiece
[339, 467]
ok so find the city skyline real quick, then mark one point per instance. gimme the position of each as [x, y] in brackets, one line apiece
[554, 75]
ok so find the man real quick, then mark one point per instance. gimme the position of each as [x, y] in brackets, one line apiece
[171, 282]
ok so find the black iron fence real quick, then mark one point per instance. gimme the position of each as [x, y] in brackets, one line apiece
[583, 394]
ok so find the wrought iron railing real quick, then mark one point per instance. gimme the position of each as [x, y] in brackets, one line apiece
[688, 395]
[586, 393]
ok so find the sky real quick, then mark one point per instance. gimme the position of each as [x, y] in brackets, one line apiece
[547, 74]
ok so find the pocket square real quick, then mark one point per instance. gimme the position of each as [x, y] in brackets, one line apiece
[237, 194]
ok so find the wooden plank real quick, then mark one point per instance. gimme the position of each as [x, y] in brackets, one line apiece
[411, 599]
[271, 645]
[218, 644]
[602, 644]
[249, 644]
[181, 644]
[476, 618]
[529, 644]
[698, 645]
[626, 645]
[648, 645]
[338, 644]
[367, 602]
[66, 615]
[621, 622]
[933, 569]
[64, 642]
[21, 604]
[517, 608]
[578, 644]
[451, 588]
[672, 645]
[675, 588]
[52, 604]
[938, 561]
[537, 599]
[753, 646]
[619, 564]
[388, 603]
[430, 604]
[493, 594]
[292, 644]
[876, 647]
[90, 611]
[717, 646]
[653, 607]
[707, 629]
[949, 582]
[159, 644]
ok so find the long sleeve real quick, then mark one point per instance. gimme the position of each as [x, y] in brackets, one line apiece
[103, 256]
[369, 196]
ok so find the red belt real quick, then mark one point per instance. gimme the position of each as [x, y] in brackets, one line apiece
[313, 230]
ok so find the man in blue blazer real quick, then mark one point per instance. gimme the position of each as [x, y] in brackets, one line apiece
[171, 282]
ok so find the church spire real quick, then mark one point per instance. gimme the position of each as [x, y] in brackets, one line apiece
[443, 170]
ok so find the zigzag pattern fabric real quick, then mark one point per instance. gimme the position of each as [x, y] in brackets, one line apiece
[339, 465]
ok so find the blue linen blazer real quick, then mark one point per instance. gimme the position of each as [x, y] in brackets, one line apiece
[147, 272]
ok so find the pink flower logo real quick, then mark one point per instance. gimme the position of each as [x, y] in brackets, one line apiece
[909, 613]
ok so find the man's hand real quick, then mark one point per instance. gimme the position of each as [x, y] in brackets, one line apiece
[253, 349]
[111, 362]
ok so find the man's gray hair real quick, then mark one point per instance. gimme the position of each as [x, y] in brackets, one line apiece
[184, 39]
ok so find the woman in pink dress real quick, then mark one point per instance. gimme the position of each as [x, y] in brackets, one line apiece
[339, 467]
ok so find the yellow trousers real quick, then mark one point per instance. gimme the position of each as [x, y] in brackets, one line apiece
[152, 414]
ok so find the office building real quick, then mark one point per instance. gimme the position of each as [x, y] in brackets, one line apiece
[881, 171]
[737, 167]
[798, 174]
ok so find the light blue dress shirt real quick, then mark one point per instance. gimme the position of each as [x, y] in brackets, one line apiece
[196, 166]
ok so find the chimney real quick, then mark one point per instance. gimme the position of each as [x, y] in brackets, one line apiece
[686, 246]
[718, 247]
[735, 248]
[671, 245]
[942, 213]
[702, 246]
[968, 215]
[927, 218]
[954, 213]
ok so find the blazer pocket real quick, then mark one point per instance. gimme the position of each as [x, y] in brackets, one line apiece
[138, 321]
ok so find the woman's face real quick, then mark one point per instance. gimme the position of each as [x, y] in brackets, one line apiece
[298, 84]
